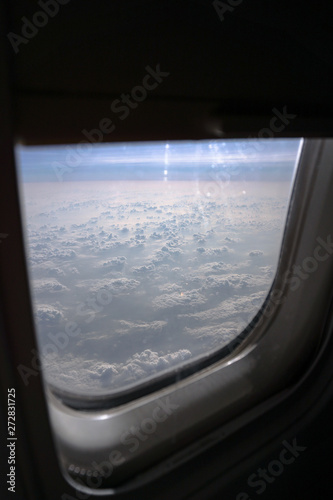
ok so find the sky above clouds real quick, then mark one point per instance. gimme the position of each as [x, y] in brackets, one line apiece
[158, 252]
[183, 160]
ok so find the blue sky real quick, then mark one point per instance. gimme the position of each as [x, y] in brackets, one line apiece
[174, 160]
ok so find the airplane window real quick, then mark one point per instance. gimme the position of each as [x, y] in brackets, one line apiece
[144, 257]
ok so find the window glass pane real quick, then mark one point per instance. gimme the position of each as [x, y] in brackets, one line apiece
[143, 256]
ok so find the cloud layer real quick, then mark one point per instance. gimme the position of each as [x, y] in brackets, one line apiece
[153, 273]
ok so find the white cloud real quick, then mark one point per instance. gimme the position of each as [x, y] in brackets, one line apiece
[183, 272]
[114, 285]
[48, 285]
[88, 374]
[228, 310]
[117, 263]
[48, 315]
[216, 268]
[256, 253]
[235, 282]
[150, 268]
[185, 300]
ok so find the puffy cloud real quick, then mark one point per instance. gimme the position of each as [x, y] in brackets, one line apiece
[213, 336]
[235, 282]
[230, 239]
[56, 271]
[168, 255]
[228, 310]
[216, 268]
[51, 285]
[150, 268]
[43, 252]
[73, 270]
[114, 285]
[256, 253]
[156, 236]
[181, 271]
[130, 328]
[267, 271]
[82, 374]
[48, 315]
[170, 288]
[208, 253]
[48, 269]
[198, 237]
[179, 300]
[117, 263]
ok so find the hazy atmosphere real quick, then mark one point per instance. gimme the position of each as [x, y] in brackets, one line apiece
[144, 256]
